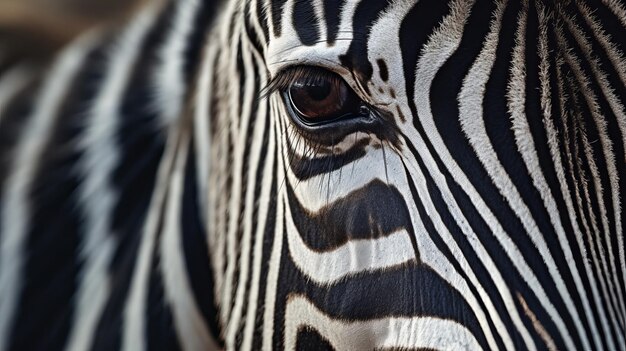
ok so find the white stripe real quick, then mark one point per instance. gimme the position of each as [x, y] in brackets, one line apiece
[169, 79]
[320, 16]
[202, 131]
[96, 194]
[318, 191]
[617, 7]
[134, 324]
[15, 207]
[351, 258]
[389, 332]
[191, 328]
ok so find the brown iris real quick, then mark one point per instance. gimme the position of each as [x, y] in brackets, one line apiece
[322, 98]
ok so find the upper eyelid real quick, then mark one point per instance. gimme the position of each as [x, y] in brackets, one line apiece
[287, 75]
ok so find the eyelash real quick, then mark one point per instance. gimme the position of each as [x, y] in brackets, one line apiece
[285, 78]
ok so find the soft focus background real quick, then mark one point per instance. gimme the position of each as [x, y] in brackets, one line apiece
[34, 29]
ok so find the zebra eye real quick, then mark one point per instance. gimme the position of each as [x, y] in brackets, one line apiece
[321, 98]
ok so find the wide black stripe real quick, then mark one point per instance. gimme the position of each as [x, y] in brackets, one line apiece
[305, 167]
[305, 22]
[355, 59]
[374, 211]
[276, 11]
[417, 26]
[309, 339]
[332, 13]
[205, 13]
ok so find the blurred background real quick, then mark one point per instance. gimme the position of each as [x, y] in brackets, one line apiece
[34, 29]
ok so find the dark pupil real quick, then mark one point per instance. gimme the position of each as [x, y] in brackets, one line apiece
[319, 91]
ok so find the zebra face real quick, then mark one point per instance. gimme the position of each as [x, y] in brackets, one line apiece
[367, 174]
[422, 176]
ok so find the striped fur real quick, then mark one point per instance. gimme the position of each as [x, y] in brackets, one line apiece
[153, 196]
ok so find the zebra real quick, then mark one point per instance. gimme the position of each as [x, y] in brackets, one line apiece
[349, 175]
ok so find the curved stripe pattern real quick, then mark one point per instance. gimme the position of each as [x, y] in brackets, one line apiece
[158, 191]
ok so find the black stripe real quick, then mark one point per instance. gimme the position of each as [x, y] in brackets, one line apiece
[416, 28]
[332, 15]
[160, 333]
[195, 249]
[306, 23]
[205, 13]
[305, 168]
[277, 13]
[355, 59]
[309, 339]
[374, 211]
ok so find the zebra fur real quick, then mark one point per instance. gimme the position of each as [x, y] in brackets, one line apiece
[153, 195]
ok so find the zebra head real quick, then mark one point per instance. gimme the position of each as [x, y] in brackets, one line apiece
[310, 174]
[416, 174]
